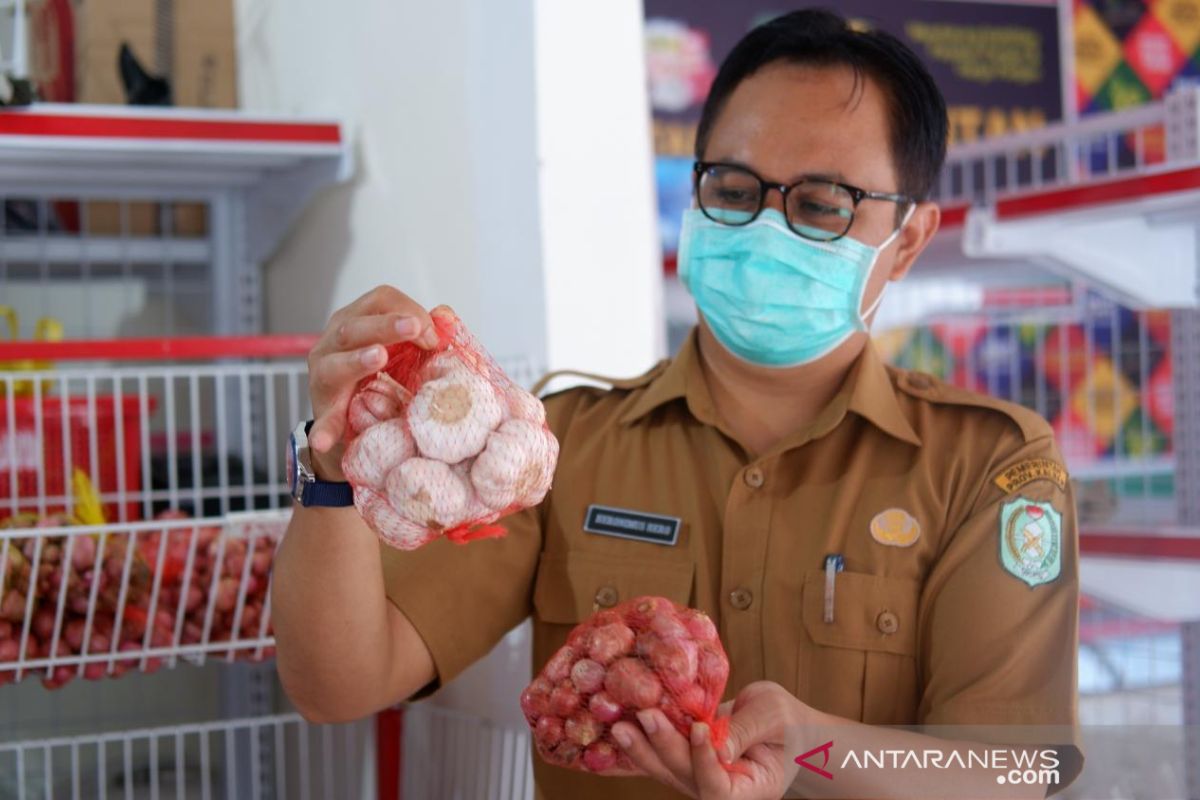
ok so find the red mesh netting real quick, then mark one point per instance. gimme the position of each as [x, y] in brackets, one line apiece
[445, 443]
[645, 653]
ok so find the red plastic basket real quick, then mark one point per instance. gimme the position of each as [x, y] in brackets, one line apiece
[24, 455]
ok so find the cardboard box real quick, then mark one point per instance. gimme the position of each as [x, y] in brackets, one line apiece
[205, 64]
[103, 218]
[198, 58]
[187, 220]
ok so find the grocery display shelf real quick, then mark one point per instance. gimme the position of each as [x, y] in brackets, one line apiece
[111, 598]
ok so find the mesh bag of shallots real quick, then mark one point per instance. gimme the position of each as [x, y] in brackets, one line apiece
[444, 443]
[645, 653]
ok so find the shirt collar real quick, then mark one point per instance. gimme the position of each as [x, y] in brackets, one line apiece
[872, 394]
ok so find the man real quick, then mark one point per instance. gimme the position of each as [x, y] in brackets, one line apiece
[877, 548]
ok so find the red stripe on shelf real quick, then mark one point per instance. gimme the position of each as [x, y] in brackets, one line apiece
[26, 124]
[1026, 297]
[1100, 193]
[1186, 548]
[1121, 628]
[954, 216]
[389, 749]
[184, 348]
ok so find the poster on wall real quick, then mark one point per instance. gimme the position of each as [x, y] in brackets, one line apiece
[1129, 52]
[996, 63]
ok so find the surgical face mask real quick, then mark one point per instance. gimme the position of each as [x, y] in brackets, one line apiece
[770, 296]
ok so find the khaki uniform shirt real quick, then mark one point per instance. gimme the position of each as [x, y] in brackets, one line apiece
[920, 486]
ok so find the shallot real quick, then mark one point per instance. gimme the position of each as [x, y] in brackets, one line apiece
[645, 653]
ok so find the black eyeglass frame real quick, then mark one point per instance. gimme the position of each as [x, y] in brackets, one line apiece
[857, 195]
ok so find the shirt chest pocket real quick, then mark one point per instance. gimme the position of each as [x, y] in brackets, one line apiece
[571, 586]
[863, 664]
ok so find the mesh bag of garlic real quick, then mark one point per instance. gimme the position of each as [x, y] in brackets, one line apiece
[645, 653]
[444, 443]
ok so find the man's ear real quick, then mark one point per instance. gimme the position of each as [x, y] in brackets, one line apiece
[915, 236]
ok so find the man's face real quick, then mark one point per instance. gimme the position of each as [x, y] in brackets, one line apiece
[788, 121]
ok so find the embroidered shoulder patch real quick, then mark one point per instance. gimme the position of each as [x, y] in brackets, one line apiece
[1031, 540]
[1035, 469]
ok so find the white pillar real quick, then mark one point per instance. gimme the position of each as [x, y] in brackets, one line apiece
[601, 261]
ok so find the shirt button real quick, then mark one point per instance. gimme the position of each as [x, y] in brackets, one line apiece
[741, 599]
[919, 381]
[754, 478]
[606, 597]
[887, 622]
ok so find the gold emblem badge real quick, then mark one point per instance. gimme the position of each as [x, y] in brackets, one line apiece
[895, 528]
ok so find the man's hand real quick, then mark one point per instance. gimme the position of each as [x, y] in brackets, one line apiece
[758, 762]
[351, 347]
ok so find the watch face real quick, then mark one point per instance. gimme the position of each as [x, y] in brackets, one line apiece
[293, 466]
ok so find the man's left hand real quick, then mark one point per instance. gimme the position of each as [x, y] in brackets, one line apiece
[758, 762]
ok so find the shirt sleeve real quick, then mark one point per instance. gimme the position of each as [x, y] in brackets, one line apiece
[462, 599]
[999, 615]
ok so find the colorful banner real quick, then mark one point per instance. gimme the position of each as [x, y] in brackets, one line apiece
[1128, 52]
[996, 63]
[1104, 382]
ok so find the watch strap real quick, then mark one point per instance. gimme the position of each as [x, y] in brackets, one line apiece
[328, 494]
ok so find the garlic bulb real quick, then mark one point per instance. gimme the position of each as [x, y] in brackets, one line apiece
[517, 465]
[450, 417]
[524, 405]
[376, 452]
[380, 400]
[441, 365]
[394, 529]
[478, 512]
[429, 493]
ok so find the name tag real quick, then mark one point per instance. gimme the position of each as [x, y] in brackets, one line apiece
[626, 524]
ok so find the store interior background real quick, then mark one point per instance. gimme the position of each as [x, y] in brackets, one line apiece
[521, 161]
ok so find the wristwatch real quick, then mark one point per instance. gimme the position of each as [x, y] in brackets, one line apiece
[302, 482]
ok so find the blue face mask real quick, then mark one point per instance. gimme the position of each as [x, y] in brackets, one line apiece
[770, 296]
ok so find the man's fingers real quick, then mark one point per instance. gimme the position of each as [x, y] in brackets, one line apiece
[710, 777]
[327, 429]
[333, 373]
[754, 719]
[642, 755]
[385, 299]
[669, 744]
[364, 331]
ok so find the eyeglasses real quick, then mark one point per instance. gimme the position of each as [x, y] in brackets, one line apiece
[816, 209]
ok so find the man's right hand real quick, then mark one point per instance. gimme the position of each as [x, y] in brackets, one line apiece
[352, 346]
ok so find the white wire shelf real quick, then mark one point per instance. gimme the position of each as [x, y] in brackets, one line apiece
[73, 250]
[261, 757]
[1110, 199]
[98, 601]
[448, 753]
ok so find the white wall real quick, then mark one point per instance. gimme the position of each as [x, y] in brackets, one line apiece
[444, 204]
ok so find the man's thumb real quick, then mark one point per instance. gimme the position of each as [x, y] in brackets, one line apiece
[742, 733]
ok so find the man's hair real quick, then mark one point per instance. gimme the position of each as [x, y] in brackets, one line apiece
[821, 38]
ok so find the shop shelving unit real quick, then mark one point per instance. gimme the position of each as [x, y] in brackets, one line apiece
[132, 228]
